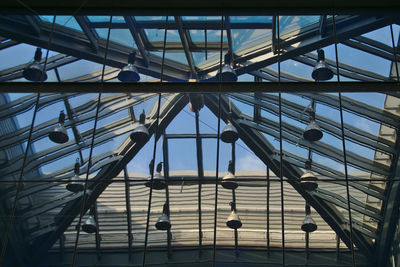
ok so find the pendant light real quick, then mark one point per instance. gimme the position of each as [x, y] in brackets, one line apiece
[229, 180]
[308, 224]
[59, 133]
[90, 225]
[233, 221]
[312, 132]
[140, 134]
[75, 185]
[229, 133]
[196, 102]
[35, 72]
[163, 223]
[308, 180]
[158, 178]
[227, 73]
[129, 73]
[321, 71]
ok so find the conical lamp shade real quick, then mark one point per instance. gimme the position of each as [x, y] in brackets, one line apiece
[90, 225]
[75, 185]
[308, 225]
[228, 74]
[234, 221]
[140, 134]
[312, 132]
[229, 181]
[309, 181]
[229, 133]
[163, 223]
[129, 73]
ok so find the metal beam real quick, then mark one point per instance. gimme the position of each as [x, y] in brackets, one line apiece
[390, 211]
[185, 43]
[264, 150]
[75, 44]
[200, 171]
[186, 25]
[212, 87]
[344, 32]
[100, 182]
[128, 211]
[132, 26]
[90, 33]
[33, 23]
[166, 175]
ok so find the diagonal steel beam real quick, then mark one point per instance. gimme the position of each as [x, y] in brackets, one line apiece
[33, 23]
[261, 148]
[133, 28]
[100, 182]
[185, 43]
[390, 211]
[90, 33]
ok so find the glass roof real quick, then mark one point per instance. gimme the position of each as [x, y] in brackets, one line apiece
[352, 161]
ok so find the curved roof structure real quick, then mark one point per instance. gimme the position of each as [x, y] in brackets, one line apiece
[186, 107]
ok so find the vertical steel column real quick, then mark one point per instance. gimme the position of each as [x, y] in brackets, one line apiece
[93, 210]
[166, 176]
[84, 196]
[200, 171]
[128, 211]
[155, 147]
[394, 51]
[218, 140]
[233, 158]
[280, 147]
[343, 144]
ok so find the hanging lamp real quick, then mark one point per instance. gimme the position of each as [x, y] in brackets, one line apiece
[308, 224]
[75, 185]
[233, 221]
[59, 133]
[229, 133]
[196, 102]
[140, 134]
[163, 223]
[308, 180]
[35, 72]
[158, 179]
[229, 180]
[227, 73]
[321, 71]
[90, 225]
[129, 73]
[312, 132]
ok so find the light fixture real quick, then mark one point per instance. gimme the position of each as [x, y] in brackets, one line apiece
[90, 225]
[308, 180]
[158, 178]
[35, 72]
[196, 102]
[59, 133]
[228, 73]
[75, 185]
[312, 132]
[233, 221]
[229, 180]
[308, 224]
[229, 133]
[129, 73]
[163, 223]
[140, 134]
[321, 71]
